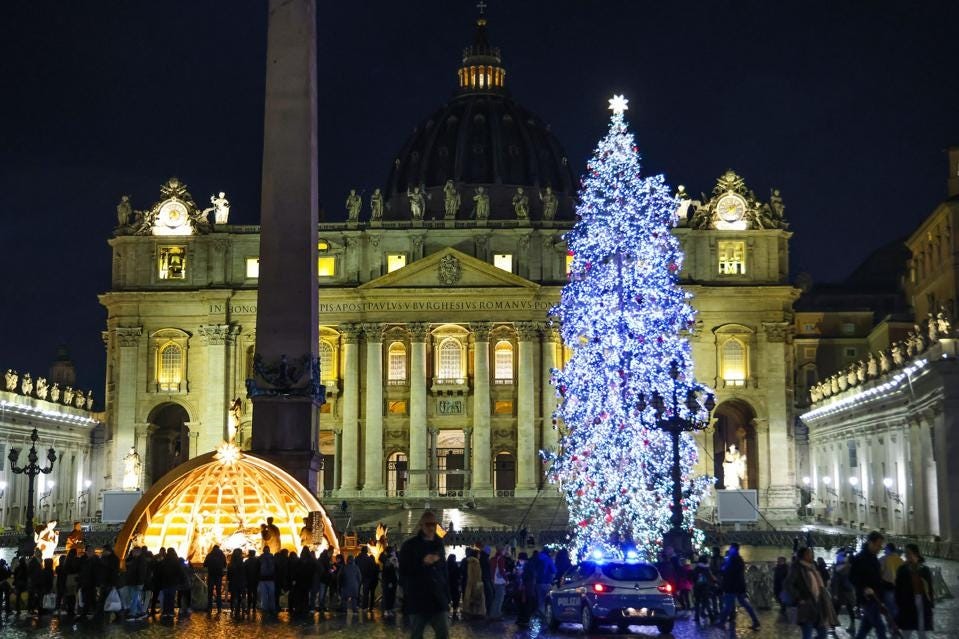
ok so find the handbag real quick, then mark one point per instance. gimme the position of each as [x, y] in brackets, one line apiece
[50, 601]
[113, 603]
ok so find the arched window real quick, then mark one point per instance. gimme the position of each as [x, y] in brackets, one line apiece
[734, 362]
[503, 361]
[327, 363]
[451, 359]
[169, 367]
[396, 371]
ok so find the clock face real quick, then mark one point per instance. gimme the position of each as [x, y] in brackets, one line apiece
[731, 208]
[173, 218]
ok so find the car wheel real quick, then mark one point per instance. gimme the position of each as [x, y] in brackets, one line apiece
[666, 627]
[588, 620]
[551, 621]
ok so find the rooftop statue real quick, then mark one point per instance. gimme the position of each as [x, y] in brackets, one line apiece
[417, 202]
[89, 400]
[55, 392]
[451, 200]
[883, 362]
[933, 329]
[354, 203]
[42, 388]
[221, 208]
[897, 357]
[124, 210]
[11, 378]
[26, 384]
[376, 205]
[481, 198]
[550, 203]
[521, 204]
[68, 395]
[943, 325]
[776, 205]
[872, 367]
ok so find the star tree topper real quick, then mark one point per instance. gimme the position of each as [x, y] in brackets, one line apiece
[618, 104]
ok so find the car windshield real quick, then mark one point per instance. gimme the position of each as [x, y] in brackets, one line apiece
[630, 572]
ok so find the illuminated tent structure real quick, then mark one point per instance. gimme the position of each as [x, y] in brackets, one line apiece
[221, 498]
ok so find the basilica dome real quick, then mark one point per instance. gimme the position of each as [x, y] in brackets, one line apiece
[481, 138]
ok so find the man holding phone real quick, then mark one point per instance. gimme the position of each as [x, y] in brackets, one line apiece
[423, 570]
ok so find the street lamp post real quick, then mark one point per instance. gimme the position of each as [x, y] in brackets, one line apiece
[668, 419]
[31, 470]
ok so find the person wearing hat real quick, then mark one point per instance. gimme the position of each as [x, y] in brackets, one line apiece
[914, 594]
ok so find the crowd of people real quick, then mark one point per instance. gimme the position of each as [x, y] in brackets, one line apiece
[887, 595]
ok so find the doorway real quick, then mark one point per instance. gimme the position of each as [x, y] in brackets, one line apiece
[734, 426]
[169, 441]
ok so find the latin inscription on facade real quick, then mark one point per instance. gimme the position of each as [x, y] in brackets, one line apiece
[405, 305]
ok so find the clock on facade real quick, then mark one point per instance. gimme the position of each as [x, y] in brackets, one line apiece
[172, 219]
[731, 209]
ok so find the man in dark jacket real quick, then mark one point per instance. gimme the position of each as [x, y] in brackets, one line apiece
[215, 564]
[866, 576]
[135, 578]
[423, 570]
[369, 572]
[108, 576]
[733, 576]
[779, 582]
[252, 568]
[89, 567]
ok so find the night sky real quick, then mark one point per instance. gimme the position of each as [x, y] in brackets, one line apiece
[845, 106]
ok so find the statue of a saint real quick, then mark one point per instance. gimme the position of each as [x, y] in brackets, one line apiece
[933, 329]
[417, 202]
[306, 533]
[233, 418]
[481, 199]
[221, 208]
[376, 205]
[919, 341]
[47, 538]
[776, 205]
[11, 378]
[860, 372]
[26, 384]
[451, 200]
[872, 366]
[131, 470]
[851, 378]
[734, 468]
[883, 362]
[42, 388]
[826, 388]
[521, 204]
[943, 325]
[89, 400]
[79, 400]
[68, 395]
[897, 356]
[834, 385]
[55, 392]
[124, 210]
[354, 203]
[550, 203]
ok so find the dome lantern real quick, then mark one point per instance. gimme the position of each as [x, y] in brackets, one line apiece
[482, 68]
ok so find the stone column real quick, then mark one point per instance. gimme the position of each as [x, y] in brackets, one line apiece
[480, 464]
[373, 439]
[781, 498]
[434, 459]
[350, 440]
[216, 399]
[551, 341]
[127, 340]
[417, 463]
[527, 461]
[467, 458]
[140, 443]
[337, 457]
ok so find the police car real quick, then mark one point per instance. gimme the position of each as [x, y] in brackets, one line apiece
[620, 593]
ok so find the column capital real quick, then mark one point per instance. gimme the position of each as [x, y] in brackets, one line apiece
[527, 331]
[467, 431]
[350, 333]
[481, 330]
[218, 334]
[550, 331]
[373, 331]
[129, 335]
[777, 331]
[433, 430]
[418, 331]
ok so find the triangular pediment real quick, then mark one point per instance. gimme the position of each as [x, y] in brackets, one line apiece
[449, 268]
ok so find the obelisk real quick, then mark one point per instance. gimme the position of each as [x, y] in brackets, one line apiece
[285, 387]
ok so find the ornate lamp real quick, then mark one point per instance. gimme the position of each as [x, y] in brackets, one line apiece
[31, 470]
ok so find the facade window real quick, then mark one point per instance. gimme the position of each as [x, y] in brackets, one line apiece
[848, 328]
[395, 261]
[808, 327]
[734, 362]
[397, 408]
[503, 261]
[503, 361]
[396, 370]
[569, 264]
[503, 407]
[327, 361]
[732, 257]
[451, 359]
[252, 268]
[851, 351]
[326, 266]
[169, 367]
[171, 263]
[853, 457]
[809, 352]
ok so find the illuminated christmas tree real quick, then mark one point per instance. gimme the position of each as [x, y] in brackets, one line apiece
[624, 316]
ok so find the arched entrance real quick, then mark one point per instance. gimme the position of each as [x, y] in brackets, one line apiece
[734, 426]
[504, 473]
[169, 442]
